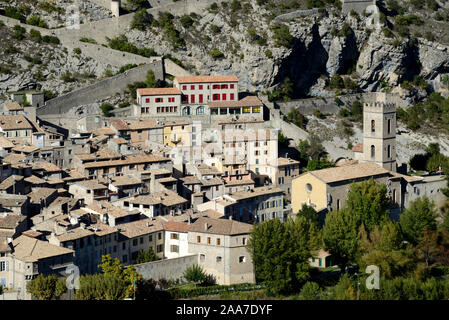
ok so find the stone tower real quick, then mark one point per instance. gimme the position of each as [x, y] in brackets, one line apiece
[115, 7]
[379, 133]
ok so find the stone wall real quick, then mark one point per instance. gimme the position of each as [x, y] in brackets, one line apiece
[295, 14]
[169, 269]
[357, 5]
[100, 90]
[172, 68]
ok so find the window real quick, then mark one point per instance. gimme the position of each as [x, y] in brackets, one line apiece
[123, 245]
[256, 109]
[200, 87]
[218, 259]
[373, 151]
[3, 266]
[373, 126]
[134, 242]
[200, 109]
[174, 248]
[192, 98]
[224, 86]
[141, 240]
[232, 96]
[389, 126]
[231, 86]
[159, 248]
[247, 110]
[125, 258]
[159, 100]
[159, 236]
[147, 100]
[184, 87]
[192, 87]
[216, 97]
[338, 204]
[198, 239]
[242, 259]
[200, 99]
[208, 240]
[389, 151]
[216, 86]
[309, 187]
[218, 241]
[174, 236]
[223, 96]
[150, 238]
[244, 241]
[202, 257]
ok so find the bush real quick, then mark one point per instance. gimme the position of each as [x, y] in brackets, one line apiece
[12, 12]
[195, 274]
[36, 21]
[106, 108]
[19, 32]
[186, 21]
[88, 40]
[36, 35]
[309, 291]
[181, 293]
[268, 54]
[282, 36]
[216, 54]
[51, 39]
[142, 19]
[77, 50]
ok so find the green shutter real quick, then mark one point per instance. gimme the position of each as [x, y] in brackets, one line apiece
[319, 262]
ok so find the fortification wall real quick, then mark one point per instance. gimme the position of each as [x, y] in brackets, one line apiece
[172, 68]
[295, 14]
[104, 3]
[357, 5]
[169, 269]
[10, 22]
[100, 90]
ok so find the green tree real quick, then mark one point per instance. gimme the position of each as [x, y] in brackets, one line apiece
[281, 252]
[309, 213]
[46, 287]
[419, 216]
[309, 291]
[142, 20]
[146, 256]
[195, 274]
[369, 203]
[151, 79]
[101, 287]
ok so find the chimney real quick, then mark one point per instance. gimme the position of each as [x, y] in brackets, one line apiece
[83, 226]
[230, 217]
[10, 244]
[206, 226]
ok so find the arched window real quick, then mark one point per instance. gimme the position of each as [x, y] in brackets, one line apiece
[186, 111]
[200, 110]
[373, 126]
[389, 125]
[373, 151]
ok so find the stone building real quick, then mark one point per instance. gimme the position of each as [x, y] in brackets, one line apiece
[221, 246]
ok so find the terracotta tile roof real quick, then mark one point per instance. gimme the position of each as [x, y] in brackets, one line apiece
[103, 131]
[140, 227]
[176, 226]
[250, 101]
[11, 221]
[132, 159]
[104, 153]
[99, 229]
[38, 194]
[35, 180]
[211, 182]
[176, 123]
[12, 200]
[200, 79]
[256, 192]
[190, 180]
[91, 184]
[157, 91]
[286, 161]
[73, 175]
[167, 198]
[31, 250]
[46, 166]
[125, 181]
[105, 207]
[242, 182]
[10, 181]
[14, 122]
[32, 233]
[13, 106]
[25, 148]
[6, 143]
[119, 124]
[220, 226]
[14, 158]
[119, 141]
[150, 123]
[351, 172]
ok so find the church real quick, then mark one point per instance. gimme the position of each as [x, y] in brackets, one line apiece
[326, 190]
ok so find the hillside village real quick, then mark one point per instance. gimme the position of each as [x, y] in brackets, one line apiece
[182, 174]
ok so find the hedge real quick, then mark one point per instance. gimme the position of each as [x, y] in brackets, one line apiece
[179, 293]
